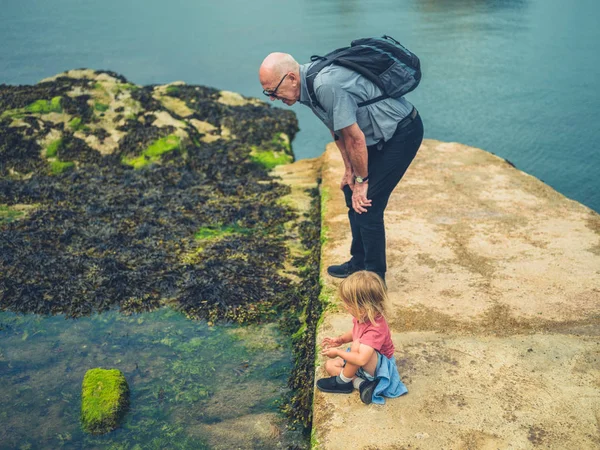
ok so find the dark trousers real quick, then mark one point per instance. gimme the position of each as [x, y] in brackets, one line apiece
[386, 168]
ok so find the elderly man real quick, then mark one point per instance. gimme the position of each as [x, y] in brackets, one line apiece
[377, 141]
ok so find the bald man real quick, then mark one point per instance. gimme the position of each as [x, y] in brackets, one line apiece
[377, 141]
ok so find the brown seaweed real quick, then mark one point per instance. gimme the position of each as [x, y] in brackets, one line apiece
[106, 235]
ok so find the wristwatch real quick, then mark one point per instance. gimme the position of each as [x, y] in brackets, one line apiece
[360, 180]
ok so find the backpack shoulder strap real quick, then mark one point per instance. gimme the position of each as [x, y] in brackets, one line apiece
[320, 62]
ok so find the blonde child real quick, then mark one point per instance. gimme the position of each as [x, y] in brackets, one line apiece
[369, 364]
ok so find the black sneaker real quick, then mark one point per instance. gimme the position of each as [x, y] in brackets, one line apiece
[366, 390]
[343, 270]
[331, 385]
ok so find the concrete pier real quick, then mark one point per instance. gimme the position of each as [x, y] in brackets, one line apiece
[494, 280]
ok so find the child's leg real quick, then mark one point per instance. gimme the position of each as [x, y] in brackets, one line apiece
[368, 372]
[371, 366]
[334, 366]
[334, 383]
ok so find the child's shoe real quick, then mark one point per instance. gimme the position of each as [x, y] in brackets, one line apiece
[333, 385]
[366, 390]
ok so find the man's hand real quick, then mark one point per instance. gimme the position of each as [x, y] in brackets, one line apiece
[359, 197]
[347, 179]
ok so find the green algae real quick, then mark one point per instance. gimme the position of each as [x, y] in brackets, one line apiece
[8, 213]
[58, 167]
[269, 158]
[100, 106]
[314, 441]
[273, 153]
[219, 231]
[172, 90]
[13, 114]
[154, 151]
[122, 87]
[45, 106]
[104, 400]
[75, 124]
[300, 319]
[37, 107]
[325, 196]
[53, 147]
[162, 145]
[178, 392]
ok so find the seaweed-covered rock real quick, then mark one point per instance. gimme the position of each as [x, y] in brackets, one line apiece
[114, 195]
[104, 400]
[123, 179]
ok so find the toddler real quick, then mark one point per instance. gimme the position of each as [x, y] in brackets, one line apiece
[369, 364]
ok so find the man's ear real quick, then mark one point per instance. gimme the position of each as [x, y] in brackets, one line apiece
[294, 78]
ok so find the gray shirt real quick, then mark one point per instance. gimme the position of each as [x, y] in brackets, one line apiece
[339, 90]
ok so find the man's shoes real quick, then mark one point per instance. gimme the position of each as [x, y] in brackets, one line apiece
[342, 270]
[366, 390]
[332, 385]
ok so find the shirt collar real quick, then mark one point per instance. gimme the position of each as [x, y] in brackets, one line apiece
[304, 97]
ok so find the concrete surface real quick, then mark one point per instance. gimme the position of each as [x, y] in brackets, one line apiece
[494, 281]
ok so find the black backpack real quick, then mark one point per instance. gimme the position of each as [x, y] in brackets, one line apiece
[384, 61]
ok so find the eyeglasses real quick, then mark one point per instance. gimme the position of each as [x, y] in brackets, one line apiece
[273, 93]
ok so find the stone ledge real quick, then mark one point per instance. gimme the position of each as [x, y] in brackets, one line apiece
[485, 262]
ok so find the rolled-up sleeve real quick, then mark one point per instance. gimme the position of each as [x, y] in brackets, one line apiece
[338, 104]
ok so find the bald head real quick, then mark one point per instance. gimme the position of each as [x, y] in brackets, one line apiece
[277, 65]
[279, 75]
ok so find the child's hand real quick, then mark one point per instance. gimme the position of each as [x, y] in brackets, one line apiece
[330, 352]
[331, 342]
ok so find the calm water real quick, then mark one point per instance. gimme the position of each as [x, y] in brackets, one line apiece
[192, 386]
[519, 78]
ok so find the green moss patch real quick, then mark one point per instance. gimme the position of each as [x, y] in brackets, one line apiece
[57, 167]
[300, 319]
[208, 234]
[52, 149]
[13, 114]
[104, 400]
[100, 107]
[214, 232]
[154, 151]
[45, 106]
[172, 90]
[269, 159]
[273, 153]
[163, 145]
[76, 125]
[8, 213]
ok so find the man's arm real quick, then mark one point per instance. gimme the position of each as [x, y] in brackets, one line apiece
[356, 149]
[348, 178]
[342, 148]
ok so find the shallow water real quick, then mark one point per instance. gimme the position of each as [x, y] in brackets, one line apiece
[519, 78]
[192, 385]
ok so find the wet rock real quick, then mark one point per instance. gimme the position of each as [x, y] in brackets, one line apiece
[104, 400]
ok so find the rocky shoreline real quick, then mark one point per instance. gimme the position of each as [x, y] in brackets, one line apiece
[117, 196]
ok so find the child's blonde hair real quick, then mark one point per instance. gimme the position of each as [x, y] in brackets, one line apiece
[365, 295]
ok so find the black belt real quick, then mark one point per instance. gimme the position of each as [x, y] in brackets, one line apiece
[403, 123]
[408, 119]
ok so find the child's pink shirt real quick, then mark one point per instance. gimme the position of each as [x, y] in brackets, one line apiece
[377, 337]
